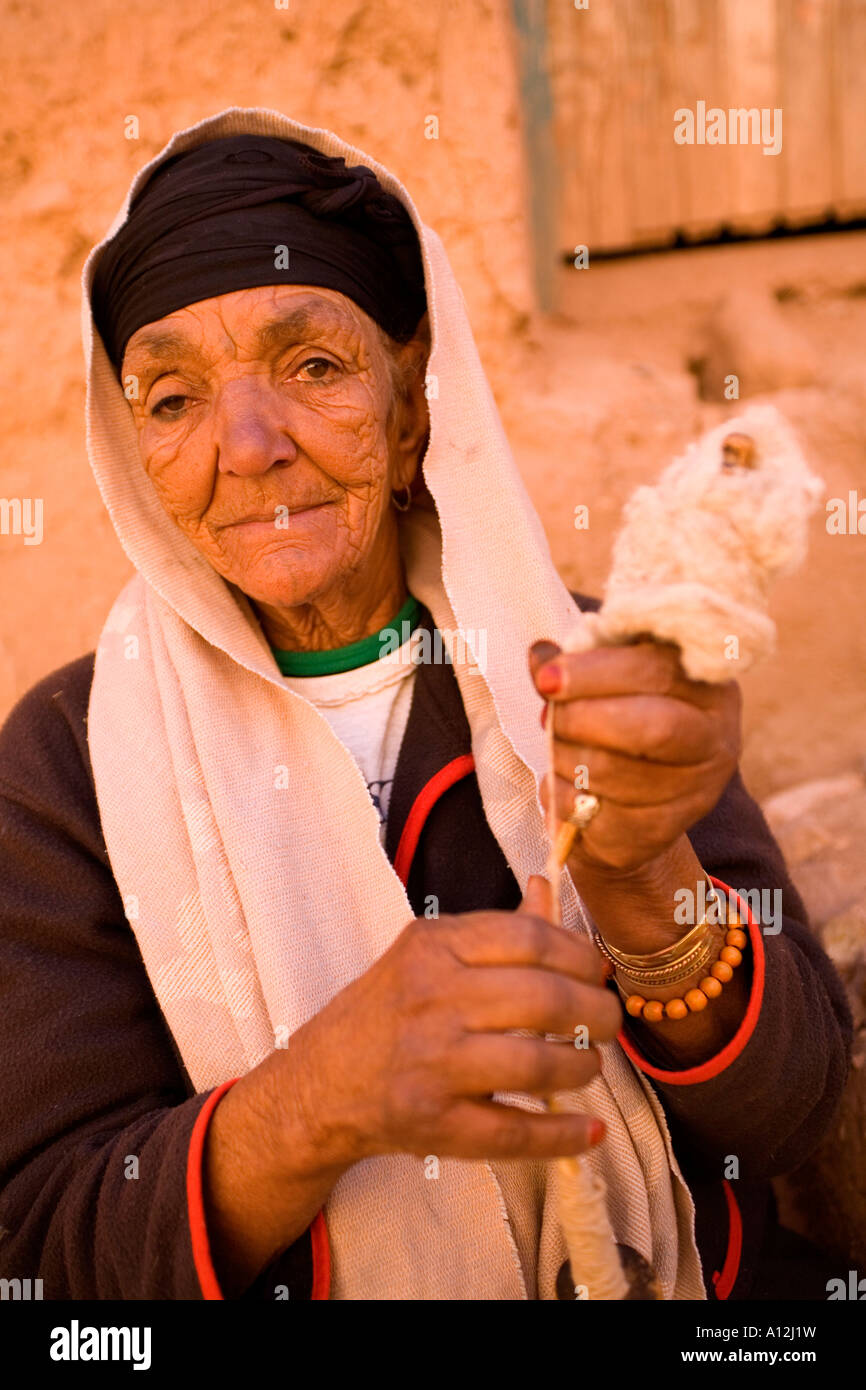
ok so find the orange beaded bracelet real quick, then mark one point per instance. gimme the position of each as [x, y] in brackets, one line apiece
[730, 956]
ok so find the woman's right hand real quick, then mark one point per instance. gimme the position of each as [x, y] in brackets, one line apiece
[405, 1060]
[407, 1057]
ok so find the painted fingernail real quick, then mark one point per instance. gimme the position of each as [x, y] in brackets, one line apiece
[597, 1131]
[544, 650]
[549, 679]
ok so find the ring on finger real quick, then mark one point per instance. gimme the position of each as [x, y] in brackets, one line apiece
[586, 808]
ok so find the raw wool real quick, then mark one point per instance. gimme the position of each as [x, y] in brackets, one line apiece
[278, 897]
[583, 1212]
[698, 551]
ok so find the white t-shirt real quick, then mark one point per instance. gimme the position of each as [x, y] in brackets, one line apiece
[367, 708]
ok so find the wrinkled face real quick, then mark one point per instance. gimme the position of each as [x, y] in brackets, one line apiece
[268, 426]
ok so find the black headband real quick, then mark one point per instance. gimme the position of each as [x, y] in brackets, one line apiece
[213, 220]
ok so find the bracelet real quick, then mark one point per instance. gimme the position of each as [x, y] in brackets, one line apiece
[706, 950]
[685, 957]
[694, 1000]
[658, 960]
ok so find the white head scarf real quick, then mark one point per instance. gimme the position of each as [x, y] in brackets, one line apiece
[253, 904]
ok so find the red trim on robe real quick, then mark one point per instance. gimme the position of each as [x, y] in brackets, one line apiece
[422, 806]
[723, 1282]
[210, 1286]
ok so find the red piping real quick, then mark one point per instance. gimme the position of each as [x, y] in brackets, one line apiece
[210, 1288]
[321, 1258]
[725, 1281]
[422, 806]
[715, 1065]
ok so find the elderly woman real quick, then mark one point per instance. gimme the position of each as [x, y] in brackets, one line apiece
[283, 1006]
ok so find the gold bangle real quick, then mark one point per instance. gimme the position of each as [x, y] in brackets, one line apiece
[668, 955]
[696, 959]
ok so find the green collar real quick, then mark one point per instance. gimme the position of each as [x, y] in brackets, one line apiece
[329, 663]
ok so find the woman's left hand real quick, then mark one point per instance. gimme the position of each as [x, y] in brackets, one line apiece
[630, 727]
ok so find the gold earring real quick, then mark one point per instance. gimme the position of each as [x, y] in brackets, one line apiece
[403, 506]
